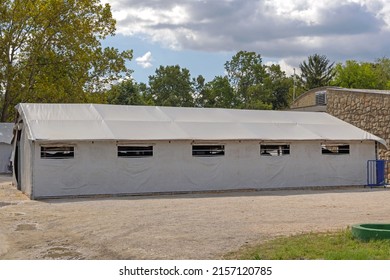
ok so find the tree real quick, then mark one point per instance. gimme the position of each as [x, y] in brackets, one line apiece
[172, 86]
[50, 51]
[127, 92]
[246, 74]
[258, 98]
[317, 71]
[366, 75]
[355, 74]
[199, 84]
[217, 93]
[279, 86]
[382, 70]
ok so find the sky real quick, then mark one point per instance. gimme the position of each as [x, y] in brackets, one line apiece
[201, 35]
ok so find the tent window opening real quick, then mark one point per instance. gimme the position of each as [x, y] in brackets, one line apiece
[208, 150]
[335, 149]
[57, 152]
[274, 150]
[135, 151]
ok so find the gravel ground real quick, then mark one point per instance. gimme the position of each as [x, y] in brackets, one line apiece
[193, 226]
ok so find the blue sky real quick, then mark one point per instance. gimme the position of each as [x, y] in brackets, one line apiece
[201, 35]
[207, 64]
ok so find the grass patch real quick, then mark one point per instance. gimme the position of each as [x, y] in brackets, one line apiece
[326, 246]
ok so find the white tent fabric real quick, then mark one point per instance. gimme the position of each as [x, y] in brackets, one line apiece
[96, 131]
[6, 134]
[55, 122]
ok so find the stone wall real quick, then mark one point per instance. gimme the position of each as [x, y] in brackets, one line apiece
[368, 111]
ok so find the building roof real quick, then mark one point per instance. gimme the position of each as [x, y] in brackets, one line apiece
[376, 91]
[6, 132]
[59, 122]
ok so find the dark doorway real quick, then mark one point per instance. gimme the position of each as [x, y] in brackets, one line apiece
[16, 160]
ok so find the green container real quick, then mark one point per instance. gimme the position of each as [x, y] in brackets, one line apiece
[368, 232]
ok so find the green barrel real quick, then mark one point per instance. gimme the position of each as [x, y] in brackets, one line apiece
[368, 232]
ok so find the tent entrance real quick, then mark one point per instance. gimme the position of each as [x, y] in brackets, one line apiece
[16, 160]
[377, 173]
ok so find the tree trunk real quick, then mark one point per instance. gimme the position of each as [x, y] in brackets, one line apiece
[4, 109]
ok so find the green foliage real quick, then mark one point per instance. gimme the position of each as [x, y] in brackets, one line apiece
[248, 85]
[50, 51]
[317, 71]
[356, 75]
[329, 246]
[365, 75]
[279, 85]
[172, 86]
[127, 92]
[258, 97]
[382, 70]
[246, 74]
[217, 94]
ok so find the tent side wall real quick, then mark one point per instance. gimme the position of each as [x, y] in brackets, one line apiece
[97, 169]
[6, 147]
[26, 164]
[23, 163]
[5, 156]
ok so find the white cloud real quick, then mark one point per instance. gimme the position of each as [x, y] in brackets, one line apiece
[281, 29]
[284, 66]
[145, 61]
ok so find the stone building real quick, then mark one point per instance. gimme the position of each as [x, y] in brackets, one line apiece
[364, 108]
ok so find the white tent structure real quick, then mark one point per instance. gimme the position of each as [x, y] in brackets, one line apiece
[88, 149]
[6, 134]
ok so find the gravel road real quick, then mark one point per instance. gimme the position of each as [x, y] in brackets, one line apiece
[193, 226]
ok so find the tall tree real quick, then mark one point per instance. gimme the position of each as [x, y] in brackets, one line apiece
[127, 92]
[172, 86]
[317, 71]
[246, 74]
[355, 74]
[50, 51]
[199, 84]
[382, 70]
[279, 85]
[217, 93]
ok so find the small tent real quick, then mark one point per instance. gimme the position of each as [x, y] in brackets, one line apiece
[6, 134]
[89, 149]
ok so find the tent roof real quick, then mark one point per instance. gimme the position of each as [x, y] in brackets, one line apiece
[118, 122]
[6, 132]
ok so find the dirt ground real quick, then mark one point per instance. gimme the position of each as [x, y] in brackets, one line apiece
[193, 226]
